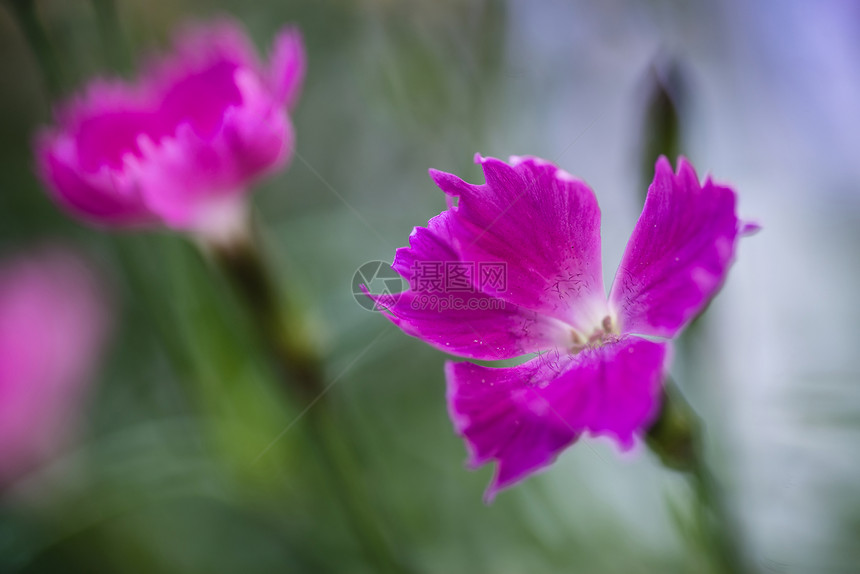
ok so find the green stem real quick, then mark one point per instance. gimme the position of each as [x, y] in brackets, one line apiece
[721, 526]
[281, 330]
[36, 37]
[676, 438]
[285, 337]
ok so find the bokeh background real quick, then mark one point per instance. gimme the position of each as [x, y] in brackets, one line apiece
[167, 474]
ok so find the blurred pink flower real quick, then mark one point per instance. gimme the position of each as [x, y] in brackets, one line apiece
[52, 326]
[180, 145]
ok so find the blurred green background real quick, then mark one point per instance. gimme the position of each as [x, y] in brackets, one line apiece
[169, 476]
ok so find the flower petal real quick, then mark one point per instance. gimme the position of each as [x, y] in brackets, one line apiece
[196, 82]
[99, 197]
[524, 416]
[183, 176]
[466, 322]
[472, 325]
[181, 141]
[544, 225]
[679, 253]
[287, 66]
[53, 323]
[197, 47]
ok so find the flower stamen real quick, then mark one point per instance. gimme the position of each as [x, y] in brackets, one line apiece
[606, 333]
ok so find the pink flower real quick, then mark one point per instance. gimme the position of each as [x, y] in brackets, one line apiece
[528, 244]
[52, 325]
[181, 145]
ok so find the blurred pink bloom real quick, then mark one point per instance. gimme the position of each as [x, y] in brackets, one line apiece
[52, 326]
[180, 145]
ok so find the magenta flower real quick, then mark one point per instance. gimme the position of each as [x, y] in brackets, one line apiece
[513, 267]
[52, 326]
[181, 145]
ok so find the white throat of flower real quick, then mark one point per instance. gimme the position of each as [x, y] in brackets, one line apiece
[223, 222]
